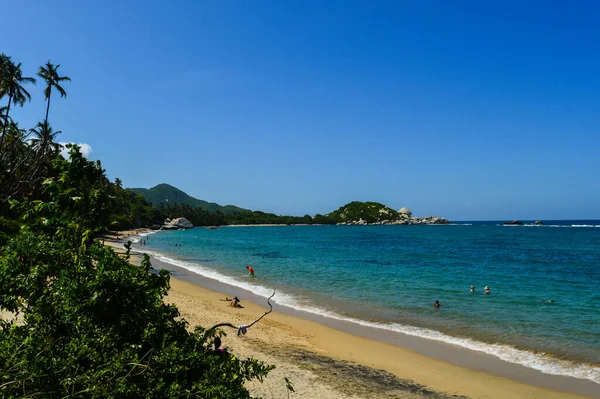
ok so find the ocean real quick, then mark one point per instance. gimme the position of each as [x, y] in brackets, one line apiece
[389, 277]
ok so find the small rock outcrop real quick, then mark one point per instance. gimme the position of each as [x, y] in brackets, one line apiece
[514, 223]
[405, 211]
[176, 224]
[182, 223]
[538, 222]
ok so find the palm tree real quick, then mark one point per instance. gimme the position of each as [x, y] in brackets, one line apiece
[4, 119]
[43, 141]
[4, 61]
[49, 73]
[11, 85]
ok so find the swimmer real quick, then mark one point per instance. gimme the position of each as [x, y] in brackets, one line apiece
[436, 304]
[487, 290]
[250, 271]
[472, 288]
[548, 300]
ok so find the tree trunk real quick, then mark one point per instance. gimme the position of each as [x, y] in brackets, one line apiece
[48, 107]
[5, 127]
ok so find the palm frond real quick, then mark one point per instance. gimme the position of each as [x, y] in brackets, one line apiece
[62, 91]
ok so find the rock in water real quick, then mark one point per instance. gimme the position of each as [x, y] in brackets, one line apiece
[182, 223]
[538, 222]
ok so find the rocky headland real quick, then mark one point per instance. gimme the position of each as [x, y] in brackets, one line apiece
[374, 213]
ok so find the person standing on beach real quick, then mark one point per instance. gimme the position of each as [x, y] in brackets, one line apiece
[250, 270]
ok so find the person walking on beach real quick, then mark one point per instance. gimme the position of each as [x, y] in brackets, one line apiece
[250, 271]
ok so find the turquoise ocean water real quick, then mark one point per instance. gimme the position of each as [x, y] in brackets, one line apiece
[389, 277]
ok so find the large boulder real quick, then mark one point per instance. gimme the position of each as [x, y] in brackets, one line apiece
[405, 211]
[182, 223]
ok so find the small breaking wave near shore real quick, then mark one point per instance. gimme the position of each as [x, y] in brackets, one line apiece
[542, 362]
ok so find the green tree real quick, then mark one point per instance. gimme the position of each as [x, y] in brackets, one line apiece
[43, 140]
[95, 325]
[49, 73]
[11, 85]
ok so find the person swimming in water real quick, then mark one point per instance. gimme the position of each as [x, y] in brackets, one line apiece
[250, 271]
[487, 290]
[436, 304]
[472, 288]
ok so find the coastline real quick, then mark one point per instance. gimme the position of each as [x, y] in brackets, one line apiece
[411, 362]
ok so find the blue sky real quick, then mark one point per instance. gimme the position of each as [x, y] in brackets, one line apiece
[464, 109]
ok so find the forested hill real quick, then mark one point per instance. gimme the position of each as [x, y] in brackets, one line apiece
[171, 195]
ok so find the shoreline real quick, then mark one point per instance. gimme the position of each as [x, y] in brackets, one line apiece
[439, 366]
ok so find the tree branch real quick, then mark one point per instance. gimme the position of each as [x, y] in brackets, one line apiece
[247, 326]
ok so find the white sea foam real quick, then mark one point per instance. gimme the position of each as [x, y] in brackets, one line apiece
[545, 364]
[147, 234]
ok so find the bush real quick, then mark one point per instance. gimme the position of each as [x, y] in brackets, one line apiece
[96, 326]
[120, 222]
[9, 226]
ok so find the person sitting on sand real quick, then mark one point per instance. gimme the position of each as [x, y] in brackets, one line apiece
[436, 304]
[250, 270]
[487, 290]
[472, 288]
[235, 303]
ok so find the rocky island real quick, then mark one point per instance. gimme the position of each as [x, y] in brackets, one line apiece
[374, 213]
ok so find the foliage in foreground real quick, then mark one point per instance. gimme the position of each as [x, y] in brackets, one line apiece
[96, 326]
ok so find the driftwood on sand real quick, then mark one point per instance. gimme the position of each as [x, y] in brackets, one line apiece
[242, 329]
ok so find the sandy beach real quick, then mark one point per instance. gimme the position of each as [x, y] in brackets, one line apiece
[326, 362]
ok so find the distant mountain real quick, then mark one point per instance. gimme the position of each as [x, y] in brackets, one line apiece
[169, 194]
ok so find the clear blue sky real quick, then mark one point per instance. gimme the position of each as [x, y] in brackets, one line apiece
[463, 109]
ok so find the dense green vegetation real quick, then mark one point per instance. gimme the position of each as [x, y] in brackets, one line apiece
[370, 212]
[180, 204]
[165, 193]
[27, 156]
[90, 323]
[201, 217]
[198, 216]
